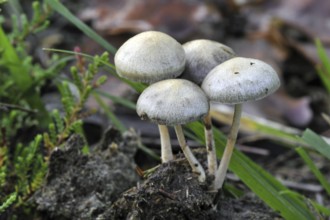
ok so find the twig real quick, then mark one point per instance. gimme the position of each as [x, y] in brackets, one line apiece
[5, 107]
[167, 194]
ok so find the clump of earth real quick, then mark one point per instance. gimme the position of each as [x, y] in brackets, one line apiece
[104, 184]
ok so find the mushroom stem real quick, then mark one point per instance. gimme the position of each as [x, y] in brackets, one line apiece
[194, 163]
[209, 142]
[231, 140]
[166, 148]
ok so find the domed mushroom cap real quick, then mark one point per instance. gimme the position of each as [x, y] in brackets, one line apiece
[202, 56]
[149, 57]
[172, 102]
[239, 80]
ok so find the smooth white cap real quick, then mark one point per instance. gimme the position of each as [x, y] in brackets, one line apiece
[172, 102]
[149, 57]
[202, 56]
[240, 80]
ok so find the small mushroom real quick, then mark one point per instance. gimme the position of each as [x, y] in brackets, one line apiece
[149, 57]
[236, 81]
[201, 57]
[175, 102]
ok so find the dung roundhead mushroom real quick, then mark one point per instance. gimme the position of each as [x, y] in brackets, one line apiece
[149, 57]
[236, 81]
[175, 102]
[202, 56]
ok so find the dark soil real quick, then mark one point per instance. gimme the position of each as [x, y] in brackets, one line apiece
[173, 192]
[104, 185]
[81, 186]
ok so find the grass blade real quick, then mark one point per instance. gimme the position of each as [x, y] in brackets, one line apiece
[119, 100]
[317, 207]
[323, 69]
[262, 127]
[61, 9]
[116, 122]
[316, 142]
[314, 169]
[139, 87]
[258, 180]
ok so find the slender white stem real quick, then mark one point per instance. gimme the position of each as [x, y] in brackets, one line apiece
[223, 167]
[210, 146]
[165, 142]
[194, 163]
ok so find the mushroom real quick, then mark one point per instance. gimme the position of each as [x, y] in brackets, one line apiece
[149, 57]
[201, 57]
[236, 81]
[174, 102]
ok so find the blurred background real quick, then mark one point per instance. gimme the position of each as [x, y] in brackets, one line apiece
[282, 33]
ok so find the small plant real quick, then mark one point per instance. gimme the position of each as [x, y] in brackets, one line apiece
[24, 160]
[83, 81]
[23, 171]
[20, 74]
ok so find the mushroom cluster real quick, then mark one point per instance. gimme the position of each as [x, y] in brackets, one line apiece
[202, 56]
[175, 102]
[149, 57]
[207, 71]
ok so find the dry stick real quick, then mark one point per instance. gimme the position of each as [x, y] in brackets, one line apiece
[210, 146]
[231, 140]
[195, 165]
[165, 143]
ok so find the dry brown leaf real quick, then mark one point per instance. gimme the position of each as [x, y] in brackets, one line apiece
[177, 18]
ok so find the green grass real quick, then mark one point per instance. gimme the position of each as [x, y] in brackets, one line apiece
[304, 155]
[323, 69]
[23, 82]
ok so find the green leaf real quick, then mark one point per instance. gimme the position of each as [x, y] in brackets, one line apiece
[314, 169]
[263, 128]
[119, 100]
[323, 69]
[22, 79]
[317, 207]
[258, 180]
[61, 9]
[316, 142]
[8, 202]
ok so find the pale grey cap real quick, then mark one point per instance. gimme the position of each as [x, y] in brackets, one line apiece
[149, 57]
[202, 56]
[172, 102]
[240, 80]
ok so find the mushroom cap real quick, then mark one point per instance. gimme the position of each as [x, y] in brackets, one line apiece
[240, 80]
[149, 57]
[172, 102]
[202, 56]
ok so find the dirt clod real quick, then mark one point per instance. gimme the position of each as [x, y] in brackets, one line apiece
[173, 192]
[81, 186]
